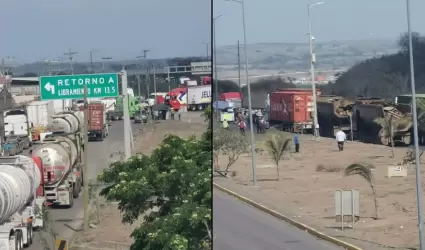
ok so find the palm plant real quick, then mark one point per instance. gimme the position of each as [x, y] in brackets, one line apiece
[420, 104]
[276, 146]
[365, 171]
[387, 131]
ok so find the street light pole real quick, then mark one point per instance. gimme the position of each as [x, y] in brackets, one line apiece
[248, 84]
[313, 80]
[215, 68]
[415, 131]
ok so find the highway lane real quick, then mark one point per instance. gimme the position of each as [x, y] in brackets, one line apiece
[99, 158]
[238, 226]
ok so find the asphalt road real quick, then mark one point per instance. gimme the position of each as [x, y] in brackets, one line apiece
[99, 158]
[238, 226]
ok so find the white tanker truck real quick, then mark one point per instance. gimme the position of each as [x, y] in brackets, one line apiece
[21, 201]
[61, 156]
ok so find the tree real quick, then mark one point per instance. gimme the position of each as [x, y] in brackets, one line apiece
[171, 188]
[230, 144]
[365, 171]
[277, 145]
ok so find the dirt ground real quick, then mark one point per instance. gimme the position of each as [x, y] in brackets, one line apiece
[308, 195]
[111, 234]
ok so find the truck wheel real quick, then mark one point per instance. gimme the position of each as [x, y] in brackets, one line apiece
[76, 191]
[71, 198]
[19, 243]
[29, 235]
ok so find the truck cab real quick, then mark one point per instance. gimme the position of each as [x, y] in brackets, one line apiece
[16, 124]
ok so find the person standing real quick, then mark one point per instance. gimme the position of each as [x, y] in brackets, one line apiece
[225, 124]
[242, 127]
[297, 143]
[340, 139]
[179, 113]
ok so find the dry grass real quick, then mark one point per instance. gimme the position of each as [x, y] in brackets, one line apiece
[310, 179]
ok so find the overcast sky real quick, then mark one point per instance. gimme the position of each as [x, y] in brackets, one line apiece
[34, 30]
[286, 20]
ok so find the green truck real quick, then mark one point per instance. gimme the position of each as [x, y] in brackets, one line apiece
[118, 114]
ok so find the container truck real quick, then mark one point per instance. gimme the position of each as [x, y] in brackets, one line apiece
[198, 97]
[292, 110]
[61, 156]
[16, 124]
[98, 127]
[22, 199]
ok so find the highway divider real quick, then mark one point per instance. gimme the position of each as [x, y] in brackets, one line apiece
[295, 223]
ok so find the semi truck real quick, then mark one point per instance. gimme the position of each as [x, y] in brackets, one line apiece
[198, 97]
[133, 107]
[97, 124]
[61, 156]
[291, 110]
[39, 115]
[16, 124]
[22, 199]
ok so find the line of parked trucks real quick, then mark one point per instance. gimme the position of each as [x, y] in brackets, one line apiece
[292, 110]
[53, 173]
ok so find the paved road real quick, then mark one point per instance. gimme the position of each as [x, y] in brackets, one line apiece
[99, 155]
[238, 226]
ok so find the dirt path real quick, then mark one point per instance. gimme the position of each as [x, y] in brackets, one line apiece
[111, 234]
[307, 195]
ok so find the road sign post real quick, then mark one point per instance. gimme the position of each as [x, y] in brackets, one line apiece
[72, 86]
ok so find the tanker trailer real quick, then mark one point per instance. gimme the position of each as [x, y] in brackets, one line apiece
[367, 110]
[61, 159]
[21, 202]
[67, 123]
[334, 112]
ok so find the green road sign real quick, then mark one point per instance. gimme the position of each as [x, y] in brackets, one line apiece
[72, 86]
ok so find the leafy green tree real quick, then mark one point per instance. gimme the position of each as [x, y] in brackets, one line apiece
[171, 188]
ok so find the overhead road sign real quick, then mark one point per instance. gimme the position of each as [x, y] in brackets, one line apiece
[72, 86]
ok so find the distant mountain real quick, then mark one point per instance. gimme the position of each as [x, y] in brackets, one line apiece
[296, 56]
[42, 68]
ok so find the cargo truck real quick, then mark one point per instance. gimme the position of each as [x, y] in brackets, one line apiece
[198, 97]
[109, 104]
[133, 107]
[16, 124]
[98, 127]
[291, 110]
[39, 115]
[22, 200]
[61, 156]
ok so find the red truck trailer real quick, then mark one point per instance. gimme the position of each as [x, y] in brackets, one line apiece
[292, 109]
[97, 128]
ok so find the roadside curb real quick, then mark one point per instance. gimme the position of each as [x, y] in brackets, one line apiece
[295, 223]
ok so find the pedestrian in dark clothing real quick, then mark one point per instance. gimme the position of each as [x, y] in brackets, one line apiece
[297, 143]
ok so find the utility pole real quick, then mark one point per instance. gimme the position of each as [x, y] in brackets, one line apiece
[145, 51]
[127, 127]
[85, 162]
[70, 55]
[103, 62]
[91, 61]
[206, 44]
[154, 81]
[239, 72]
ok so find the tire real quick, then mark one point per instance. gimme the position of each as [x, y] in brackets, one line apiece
[71, 198]
[76, 191]
[29, 235]
[19, 240]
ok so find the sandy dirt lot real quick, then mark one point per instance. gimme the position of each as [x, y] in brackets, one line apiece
[308, 195]
[111, 234]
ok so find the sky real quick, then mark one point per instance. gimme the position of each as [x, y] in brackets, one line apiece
[274, 21]
[37, 30]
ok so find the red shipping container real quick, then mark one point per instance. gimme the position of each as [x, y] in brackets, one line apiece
[292, 107]
[96, 113]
